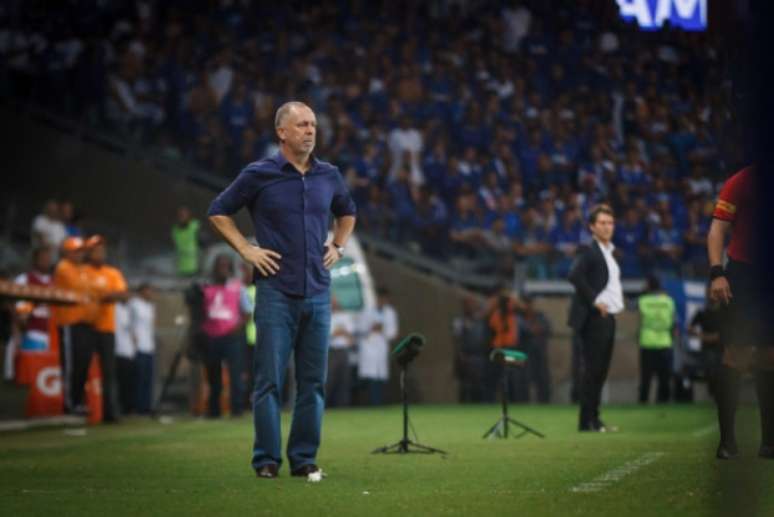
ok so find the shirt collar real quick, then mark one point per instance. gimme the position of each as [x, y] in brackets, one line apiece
[282, 162]
[609, 247]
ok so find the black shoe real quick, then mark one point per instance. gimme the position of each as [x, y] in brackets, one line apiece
[305, 470]
[269, 471]
[727, 452]
[766, 452]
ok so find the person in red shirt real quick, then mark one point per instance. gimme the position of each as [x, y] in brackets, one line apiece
[747, 331]
[33, 319]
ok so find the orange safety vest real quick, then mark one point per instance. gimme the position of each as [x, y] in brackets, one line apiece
[505, 329]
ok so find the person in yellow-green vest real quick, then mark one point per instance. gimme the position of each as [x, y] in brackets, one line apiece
[185, 235]
[656, 333]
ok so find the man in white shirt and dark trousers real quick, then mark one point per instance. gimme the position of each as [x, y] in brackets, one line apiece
[143, 322]
[598, 297]
[126, 372]
[380, 328]
[338, 390]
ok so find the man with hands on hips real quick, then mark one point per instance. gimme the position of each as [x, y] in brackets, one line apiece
[598, 297]
[290, 197]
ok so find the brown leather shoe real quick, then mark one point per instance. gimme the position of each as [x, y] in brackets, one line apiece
[269, 471]
[305, 470]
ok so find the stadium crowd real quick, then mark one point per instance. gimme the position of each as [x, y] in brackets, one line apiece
[472, 130]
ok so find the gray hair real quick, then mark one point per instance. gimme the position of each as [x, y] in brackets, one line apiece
[283, 111]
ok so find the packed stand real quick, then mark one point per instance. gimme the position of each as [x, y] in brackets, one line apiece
[488, 146]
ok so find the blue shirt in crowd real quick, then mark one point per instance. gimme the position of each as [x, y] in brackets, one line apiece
[561, 237]
[291, 213]
[666, 237]
[629, 237]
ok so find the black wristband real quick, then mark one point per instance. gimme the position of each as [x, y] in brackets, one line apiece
[717, 272]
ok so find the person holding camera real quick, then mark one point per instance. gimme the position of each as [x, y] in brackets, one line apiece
[225, 308]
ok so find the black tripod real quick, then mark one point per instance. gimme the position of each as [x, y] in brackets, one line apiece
[500, 428]
[406, 445]
[156, 409]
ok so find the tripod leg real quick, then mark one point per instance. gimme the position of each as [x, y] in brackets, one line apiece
[168, 381]
[496, 429]
[395, 447]
[526, 428]
[424, 448]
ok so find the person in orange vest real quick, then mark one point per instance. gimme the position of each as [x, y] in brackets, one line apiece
[76, 335]
[108, 286]
[504, 330]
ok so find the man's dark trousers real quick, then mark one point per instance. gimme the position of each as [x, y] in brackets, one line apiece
[105, 346]
[226, 348]
[656, 361]
[77, 345]
[597, 335]
[338, 390]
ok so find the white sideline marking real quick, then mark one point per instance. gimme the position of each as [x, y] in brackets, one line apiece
[34, 423]
[617, 474]
[704, 431]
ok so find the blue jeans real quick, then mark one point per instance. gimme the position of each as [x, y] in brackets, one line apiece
[288, 324]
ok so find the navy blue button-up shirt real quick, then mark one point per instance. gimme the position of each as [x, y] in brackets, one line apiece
[291, 214]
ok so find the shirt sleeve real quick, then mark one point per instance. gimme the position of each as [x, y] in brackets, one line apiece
[65, 276]
[21, 280]
[131, 323]
[119, 282]
[342, 203]
[390, 329]
[728, 199]
[237, 195]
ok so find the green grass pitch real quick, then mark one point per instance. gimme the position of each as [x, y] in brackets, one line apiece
[659, 463]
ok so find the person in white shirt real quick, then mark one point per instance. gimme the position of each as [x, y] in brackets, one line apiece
[142, 327]
[380, 328]
[126, 372]
[516, 22]
[222, 75]
[598, 297]
[405, 143]
[338, 389]
[48, 228]
[385, 313]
